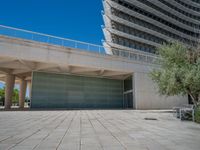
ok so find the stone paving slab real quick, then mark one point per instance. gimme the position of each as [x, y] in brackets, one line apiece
[96, 130]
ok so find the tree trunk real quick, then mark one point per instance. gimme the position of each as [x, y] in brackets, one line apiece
[194, 99]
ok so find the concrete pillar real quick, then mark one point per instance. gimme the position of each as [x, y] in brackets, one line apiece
[29, 88]
[10, 82]
[134, 91]
[22, 92]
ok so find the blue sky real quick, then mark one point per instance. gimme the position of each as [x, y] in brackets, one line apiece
[74, 19]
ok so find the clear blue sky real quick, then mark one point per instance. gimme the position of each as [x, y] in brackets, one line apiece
[74, 19]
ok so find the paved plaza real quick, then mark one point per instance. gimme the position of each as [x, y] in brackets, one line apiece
[96, 130]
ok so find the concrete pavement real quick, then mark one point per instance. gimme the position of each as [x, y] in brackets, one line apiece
[96, 130]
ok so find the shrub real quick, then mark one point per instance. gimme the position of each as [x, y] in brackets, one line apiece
[197, 114]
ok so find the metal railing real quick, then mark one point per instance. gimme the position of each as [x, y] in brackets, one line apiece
[50, 39]
[137, 56]
[64, 42]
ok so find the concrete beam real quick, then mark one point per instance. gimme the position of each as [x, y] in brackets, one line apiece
[6, 70]
[28, 65]
[42, 66]
[65, 69]
[29, 78]
[14, 65]
[5, 61]
[126, 76]
[82, 70]
[111, 73]
[101, 72]
[20, 71]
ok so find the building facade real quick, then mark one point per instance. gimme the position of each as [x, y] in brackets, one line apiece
[143, 25]
[64, 73]
[61, 77]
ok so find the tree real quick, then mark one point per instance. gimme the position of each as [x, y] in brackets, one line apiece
[15, 96]
[2, 95]
[179, 71]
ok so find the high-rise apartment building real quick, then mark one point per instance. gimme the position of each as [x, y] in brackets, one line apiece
[142, 25]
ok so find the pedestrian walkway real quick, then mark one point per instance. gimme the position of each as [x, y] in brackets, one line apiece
[96, 130]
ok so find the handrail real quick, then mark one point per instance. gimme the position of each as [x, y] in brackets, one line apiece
[64, 42]
[50, 39]
[43, 34]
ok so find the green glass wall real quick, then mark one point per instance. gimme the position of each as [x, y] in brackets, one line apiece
[70, 91]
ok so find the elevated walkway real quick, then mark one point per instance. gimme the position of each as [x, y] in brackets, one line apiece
[22, 52]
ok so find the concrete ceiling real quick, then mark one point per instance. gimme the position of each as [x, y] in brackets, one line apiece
[22, 68]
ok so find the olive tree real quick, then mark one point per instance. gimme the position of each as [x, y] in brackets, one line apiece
[179, 71]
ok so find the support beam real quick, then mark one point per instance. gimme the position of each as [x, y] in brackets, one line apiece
[101, 72]
[22, 92]
[126, 76]
[65, 69]
[27, 65]
[114, 73]
[5, 61]
[6, 71]
[10, 82]
[83, 70]
[20, 71]
[43, 66]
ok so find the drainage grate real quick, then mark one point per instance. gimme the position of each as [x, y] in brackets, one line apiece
[150, 119]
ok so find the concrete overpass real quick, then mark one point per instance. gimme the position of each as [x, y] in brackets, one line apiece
[21, 55]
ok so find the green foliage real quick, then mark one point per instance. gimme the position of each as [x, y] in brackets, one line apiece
[2, 95]
[179, 72]
[15, 96]
[197, 114]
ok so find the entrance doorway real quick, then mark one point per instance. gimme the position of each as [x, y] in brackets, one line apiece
[128, 99]
[128, 93]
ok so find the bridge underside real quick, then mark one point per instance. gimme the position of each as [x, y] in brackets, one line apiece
[24, 68]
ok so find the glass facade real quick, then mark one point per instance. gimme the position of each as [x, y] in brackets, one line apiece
[70, 91]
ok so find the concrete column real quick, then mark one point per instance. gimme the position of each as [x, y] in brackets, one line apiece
[134, 91]
[10, 82]
[29, 88]
[22, 92]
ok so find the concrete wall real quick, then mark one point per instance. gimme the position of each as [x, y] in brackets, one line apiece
[147, 96]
